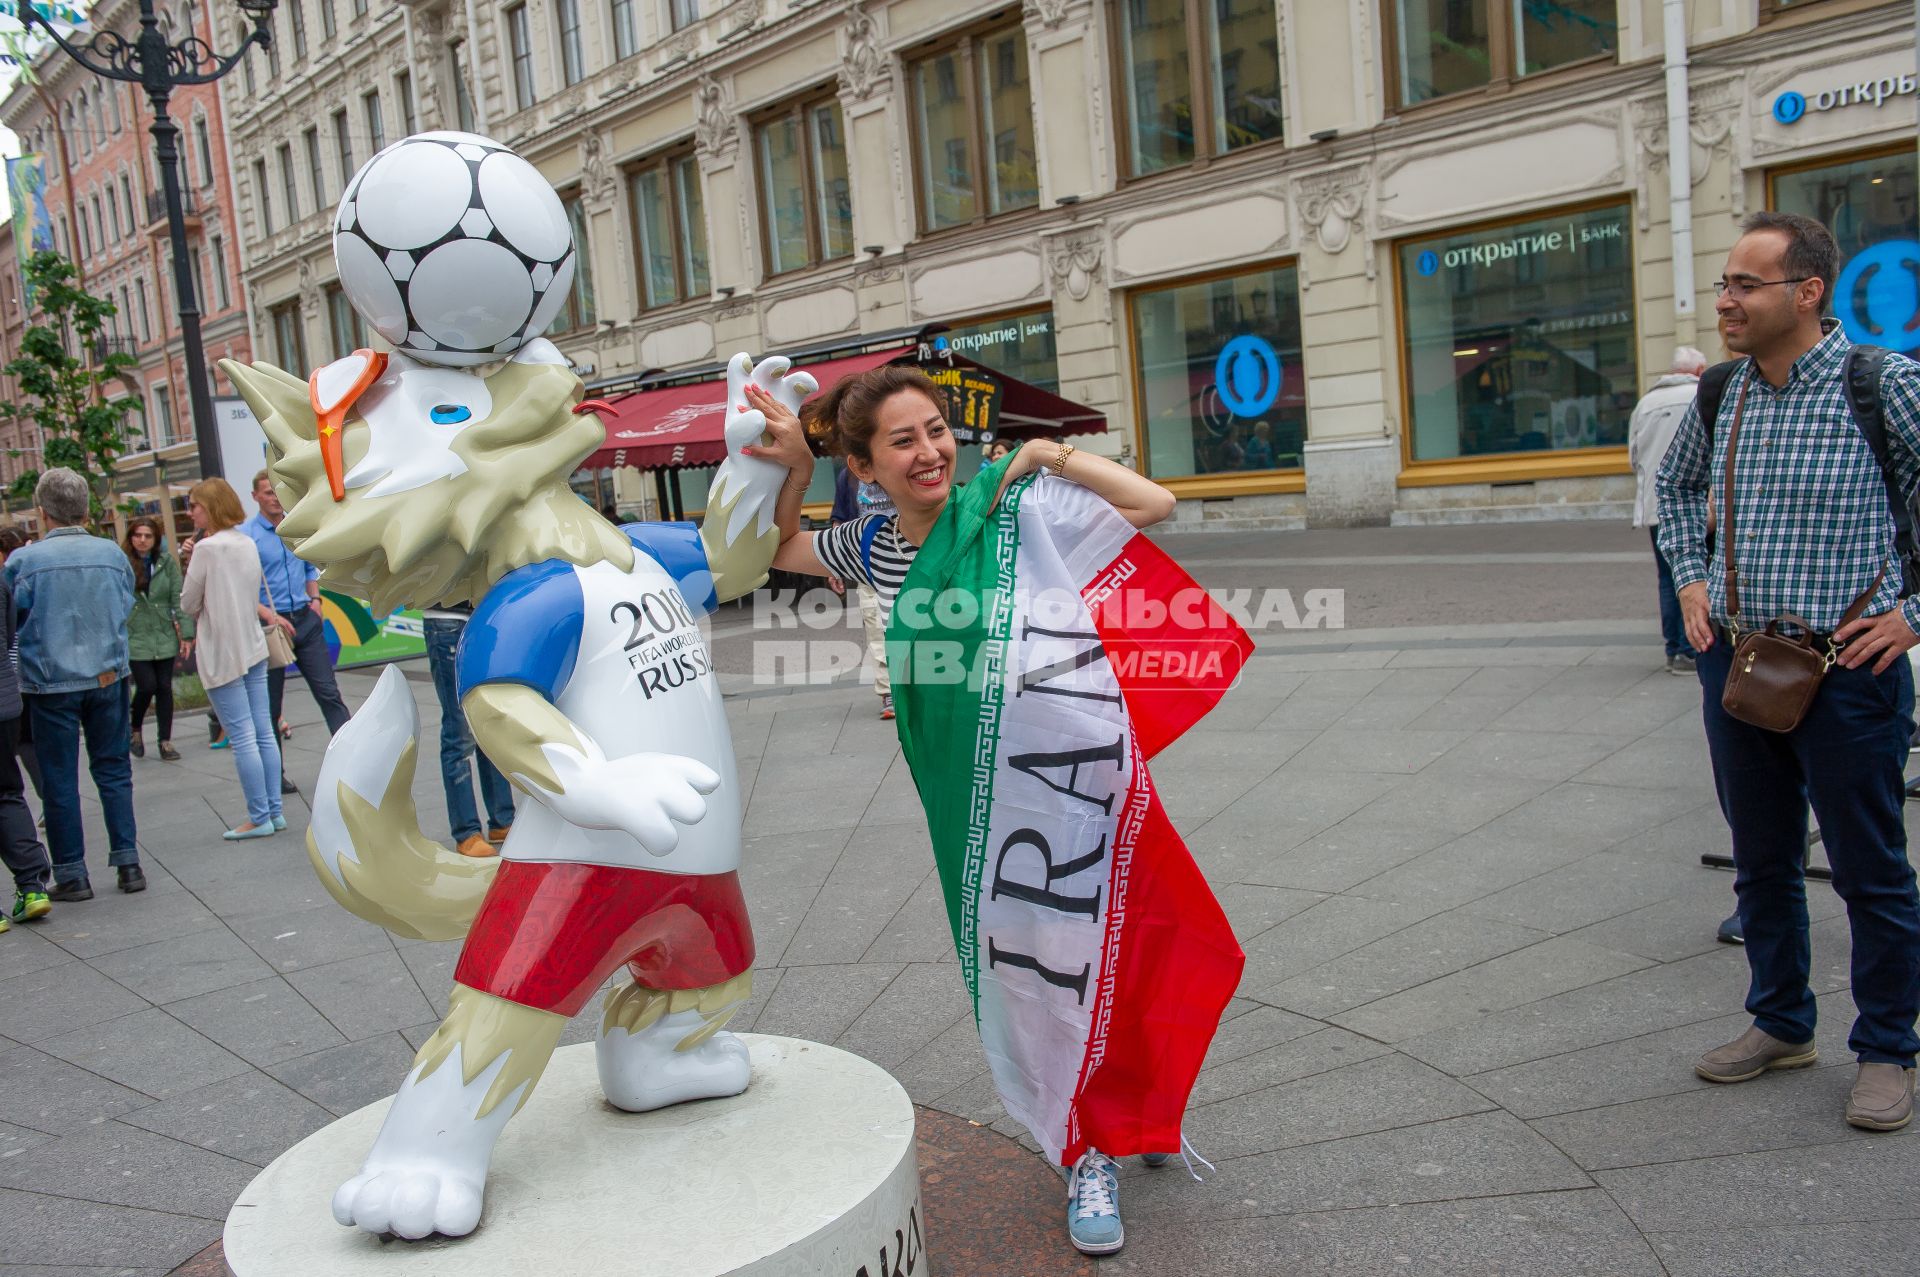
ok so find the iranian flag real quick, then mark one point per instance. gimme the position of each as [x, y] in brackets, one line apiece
[1041, 653]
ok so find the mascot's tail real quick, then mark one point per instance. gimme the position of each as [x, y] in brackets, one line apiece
[365, 840]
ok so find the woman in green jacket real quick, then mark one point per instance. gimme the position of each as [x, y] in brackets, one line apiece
[157, 632]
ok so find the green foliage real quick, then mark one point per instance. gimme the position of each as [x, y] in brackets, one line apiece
[64, 387]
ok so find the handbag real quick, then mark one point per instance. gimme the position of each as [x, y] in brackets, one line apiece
[279, 648]
[1774, 678]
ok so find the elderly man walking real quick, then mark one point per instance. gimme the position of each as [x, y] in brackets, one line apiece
[73, 593]
[1649, 434]
[1807, 540]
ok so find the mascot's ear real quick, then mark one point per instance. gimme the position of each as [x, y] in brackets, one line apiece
[539, 351]
[333, 390]
[278, 399]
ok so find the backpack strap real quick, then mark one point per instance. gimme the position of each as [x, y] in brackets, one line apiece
[1708, 394]
[1861, 381]
[867, 534]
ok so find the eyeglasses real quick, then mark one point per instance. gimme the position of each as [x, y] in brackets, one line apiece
[1741, 287]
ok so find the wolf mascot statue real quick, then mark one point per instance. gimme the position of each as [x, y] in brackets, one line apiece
[585, 678]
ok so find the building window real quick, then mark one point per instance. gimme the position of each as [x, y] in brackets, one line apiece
[100, 223]
[806, 204]
[578, 312]
[973, 116]
[670, 227]
[290, 344]
[1520, 337]
[1202, 77]
[260, 193]
[1450, 46]
[572, 60]
[222, 291]
[329, 25]
[297, 21]
[463, 112]
[1869, 204]
[160, 435]
[316, 171]
[289, 189]
[520, 53]
[113, 213]
[626, 40]
[203, 149]
[359, 8]
[126, 312]
[1221, 385]
[343, 143]
[683, 13]
[409, 117]
[126, 197]
[146, 319]
[343, 324]
[376, 123]
[273, 47]
[194, 267]
[246, 66]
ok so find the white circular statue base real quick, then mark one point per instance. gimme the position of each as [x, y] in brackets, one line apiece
[811, 1171]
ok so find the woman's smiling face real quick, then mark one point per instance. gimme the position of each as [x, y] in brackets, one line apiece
[912, 452]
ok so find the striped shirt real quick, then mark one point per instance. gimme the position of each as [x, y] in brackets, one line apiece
[1810, 507]
[891, 556]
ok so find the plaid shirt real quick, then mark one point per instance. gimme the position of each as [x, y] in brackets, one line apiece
[1811, 504]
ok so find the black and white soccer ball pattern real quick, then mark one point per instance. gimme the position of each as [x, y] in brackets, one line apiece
[453, 248]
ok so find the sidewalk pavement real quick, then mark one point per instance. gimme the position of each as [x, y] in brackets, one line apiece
[1463, 863]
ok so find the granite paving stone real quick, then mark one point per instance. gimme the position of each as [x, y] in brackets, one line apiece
[344, 1078]
[1855, 1178]
[923, 1001]
[364, 996]
[58, 999]
[42, 1229]
[313, 936]
[1411, 957]
[149, 1051]
[1876, 1246]
[124, 1165]
[184, 967]
[1356, 849]
[1377, 1094]
[45, 1093]
[250, 1118]
[821, 1003]
[263, 1022]
[1453, 804]
[1321, 1050]
[30, 949]
[1336, 926]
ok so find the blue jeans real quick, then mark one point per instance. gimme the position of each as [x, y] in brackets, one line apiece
[1846, 759]
[456, 743]
[1672, 628]
[60, 719]
[242, 709]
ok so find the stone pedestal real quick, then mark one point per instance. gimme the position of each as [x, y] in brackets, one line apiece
[812, 1171]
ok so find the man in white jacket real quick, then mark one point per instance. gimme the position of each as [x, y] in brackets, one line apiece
[1649, 435]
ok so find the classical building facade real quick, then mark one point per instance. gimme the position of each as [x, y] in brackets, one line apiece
[1318, 263]
[103, 195]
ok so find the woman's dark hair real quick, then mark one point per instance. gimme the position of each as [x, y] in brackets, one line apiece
[137, 559]
[842, 420]
[11, 539]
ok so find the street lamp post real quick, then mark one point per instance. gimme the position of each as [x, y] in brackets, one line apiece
[149, 61]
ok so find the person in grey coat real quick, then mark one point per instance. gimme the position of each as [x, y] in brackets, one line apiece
[1649, 435]
[20, 843]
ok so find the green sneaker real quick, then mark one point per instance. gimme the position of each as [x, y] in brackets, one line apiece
[28, 905]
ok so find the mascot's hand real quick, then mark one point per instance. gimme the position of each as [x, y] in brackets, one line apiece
[748, 487]
[644, 795]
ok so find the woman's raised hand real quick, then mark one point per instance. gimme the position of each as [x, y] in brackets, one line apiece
[789, 439]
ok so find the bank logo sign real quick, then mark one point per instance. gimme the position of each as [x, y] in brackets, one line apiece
[1247, 375]
[1429, 262]
[1791, 107]
[1877, 298]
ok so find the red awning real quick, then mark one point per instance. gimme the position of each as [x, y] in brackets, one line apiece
[679, 426]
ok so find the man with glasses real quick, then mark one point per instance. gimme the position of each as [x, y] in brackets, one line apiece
[292, 588]
[1809, 526]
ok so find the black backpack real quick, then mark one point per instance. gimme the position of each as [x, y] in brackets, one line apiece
[1862, 383]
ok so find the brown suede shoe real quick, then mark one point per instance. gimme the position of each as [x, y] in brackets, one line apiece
[1750, 1055]
[497, 835]
[1882, 1098]
[476, 846]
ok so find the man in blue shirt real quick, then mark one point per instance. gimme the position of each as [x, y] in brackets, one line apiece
[291, 587]
[73, 593]
[1808, 530]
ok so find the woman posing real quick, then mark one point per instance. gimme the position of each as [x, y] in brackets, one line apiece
[222, 593]
[157, 633]
[890, 426]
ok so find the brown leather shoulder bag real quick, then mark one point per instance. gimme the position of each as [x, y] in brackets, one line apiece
[1774, 678]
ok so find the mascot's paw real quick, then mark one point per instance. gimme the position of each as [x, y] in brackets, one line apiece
[649, 796]
[412, 1201]
[643, 1071]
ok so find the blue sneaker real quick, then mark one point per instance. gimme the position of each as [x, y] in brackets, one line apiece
[1156, 1160]
[1093, 1208]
